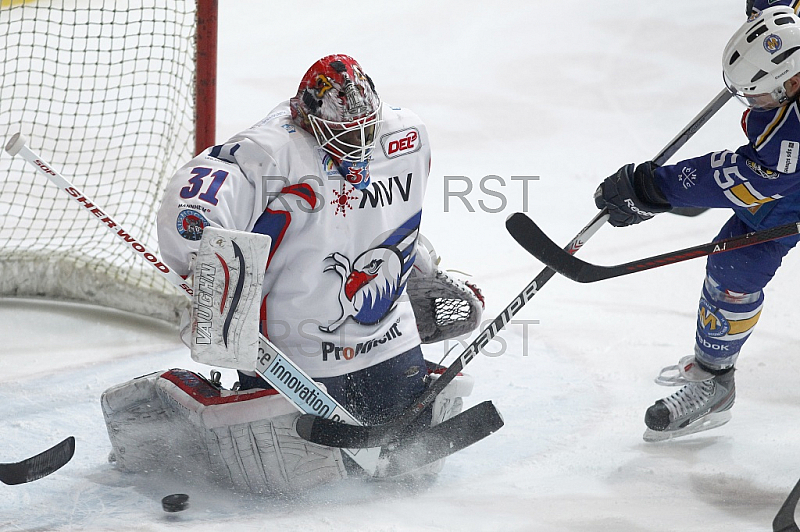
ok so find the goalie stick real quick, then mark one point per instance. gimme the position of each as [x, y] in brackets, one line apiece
[40, 465]
[270, 361]
[538, 244]
[325, 432]
[784, 520]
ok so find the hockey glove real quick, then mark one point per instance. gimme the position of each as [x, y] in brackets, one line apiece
[445, 307]
[631, 195]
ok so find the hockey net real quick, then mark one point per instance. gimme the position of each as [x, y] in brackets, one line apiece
[105, 91]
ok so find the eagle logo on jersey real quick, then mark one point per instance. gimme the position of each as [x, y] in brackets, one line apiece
[372, 283]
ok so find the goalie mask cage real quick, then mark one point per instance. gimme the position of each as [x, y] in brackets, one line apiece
[116, 95]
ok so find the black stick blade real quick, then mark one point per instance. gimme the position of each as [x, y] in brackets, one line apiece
[331, 433]
[784, 521]
[537, 243]
[335, 434]
[444, 439]
[38, 466]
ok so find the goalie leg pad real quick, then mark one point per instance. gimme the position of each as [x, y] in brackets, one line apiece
[141, 429]
[241, 439]
[450, 401]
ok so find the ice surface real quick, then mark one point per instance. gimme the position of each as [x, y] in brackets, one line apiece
[563, 91]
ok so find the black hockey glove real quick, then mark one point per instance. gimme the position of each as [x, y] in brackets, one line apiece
[631, 195]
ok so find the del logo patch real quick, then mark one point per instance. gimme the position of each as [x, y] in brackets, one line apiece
[401, 142]
[766, 173]
[190, 224]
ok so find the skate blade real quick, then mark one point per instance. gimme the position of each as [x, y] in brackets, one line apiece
[708, 422]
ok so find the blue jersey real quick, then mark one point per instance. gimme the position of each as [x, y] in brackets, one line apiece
[750, 179]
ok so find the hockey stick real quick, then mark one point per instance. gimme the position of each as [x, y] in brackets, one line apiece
[784, 520]
[325, 432]
[38, 466]
[272, 365]
[538, 244]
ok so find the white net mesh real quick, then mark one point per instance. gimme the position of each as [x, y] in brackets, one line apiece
[104, 92]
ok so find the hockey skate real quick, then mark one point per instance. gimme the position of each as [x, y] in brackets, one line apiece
[703, 403]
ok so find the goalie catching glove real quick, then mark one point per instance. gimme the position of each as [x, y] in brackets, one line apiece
[444, 307]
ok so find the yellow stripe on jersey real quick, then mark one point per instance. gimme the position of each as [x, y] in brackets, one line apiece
[746, 195]
[740, 326]
[770, 129]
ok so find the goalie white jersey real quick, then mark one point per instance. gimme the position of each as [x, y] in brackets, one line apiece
[333, 295]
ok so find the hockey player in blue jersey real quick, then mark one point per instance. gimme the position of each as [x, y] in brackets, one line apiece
[760, 181]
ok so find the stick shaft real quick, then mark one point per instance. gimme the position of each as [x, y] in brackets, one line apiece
[103, 218]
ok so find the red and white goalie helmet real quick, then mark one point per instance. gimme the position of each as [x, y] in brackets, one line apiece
[337, 103]
[761, 56]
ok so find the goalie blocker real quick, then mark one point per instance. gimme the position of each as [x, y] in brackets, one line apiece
[228, 276]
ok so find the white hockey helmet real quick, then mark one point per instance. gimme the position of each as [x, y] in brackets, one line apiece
[761, 56]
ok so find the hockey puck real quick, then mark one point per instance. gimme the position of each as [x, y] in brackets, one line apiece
[177, 502]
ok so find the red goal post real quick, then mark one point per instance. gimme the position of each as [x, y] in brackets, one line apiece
[118, 94]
